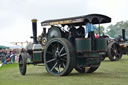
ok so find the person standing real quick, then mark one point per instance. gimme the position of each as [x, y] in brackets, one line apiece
[96, 35]
[13, 56]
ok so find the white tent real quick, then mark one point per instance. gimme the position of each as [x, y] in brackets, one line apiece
[11, 46]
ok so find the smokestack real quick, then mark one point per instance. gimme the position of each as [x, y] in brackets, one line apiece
[44, 31]
[123, 34]
[34, 29]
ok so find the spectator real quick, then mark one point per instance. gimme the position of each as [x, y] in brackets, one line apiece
[8, 57]
[3, 59]
[13, 56]
[22, 50]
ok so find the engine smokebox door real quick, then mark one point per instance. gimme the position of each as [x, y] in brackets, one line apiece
[37, 52]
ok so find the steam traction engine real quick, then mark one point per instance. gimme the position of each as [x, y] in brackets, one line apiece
[61, 50]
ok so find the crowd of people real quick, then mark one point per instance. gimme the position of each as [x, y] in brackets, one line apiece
[8, 56]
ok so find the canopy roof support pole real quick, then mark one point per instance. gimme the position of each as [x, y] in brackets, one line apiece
[99, 30]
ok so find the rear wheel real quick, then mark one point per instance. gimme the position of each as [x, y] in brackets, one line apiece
[22, 63]
[59, 57]
[86, 69]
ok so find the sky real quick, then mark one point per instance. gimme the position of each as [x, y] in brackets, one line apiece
[16, 15]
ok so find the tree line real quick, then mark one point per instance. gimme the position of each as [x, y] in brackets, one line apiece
[115, 30]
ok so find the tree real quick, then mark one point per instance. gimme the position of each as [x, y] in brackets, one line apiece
[101, 30]
[116, 30]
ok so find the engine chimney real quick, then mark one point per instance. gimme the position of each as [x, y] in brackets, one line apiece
[34, 29]
[123, 34]
[44, 31]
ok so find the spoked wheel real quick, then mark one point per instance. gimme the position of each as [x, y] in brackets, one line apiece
[86, 69]
[114, 52]
[22, 63]
[59, 57]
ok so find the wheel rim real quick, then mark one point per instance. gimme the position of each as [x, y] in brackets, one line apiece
[56, 58]
[22, 64]
[115, 52]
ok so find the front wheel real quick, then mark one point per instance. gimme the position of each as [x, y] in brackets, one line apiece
[114, 51]
[22, 63]
[59, 57]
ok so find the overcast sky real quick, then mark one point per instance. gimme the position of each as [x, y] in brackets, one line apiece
[16, 15]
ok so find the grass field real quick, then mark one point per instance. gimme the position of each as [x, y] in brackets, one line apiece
[109, 73]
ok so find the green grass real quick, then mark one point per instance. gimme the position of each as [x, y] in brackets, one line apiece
[109, 73]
